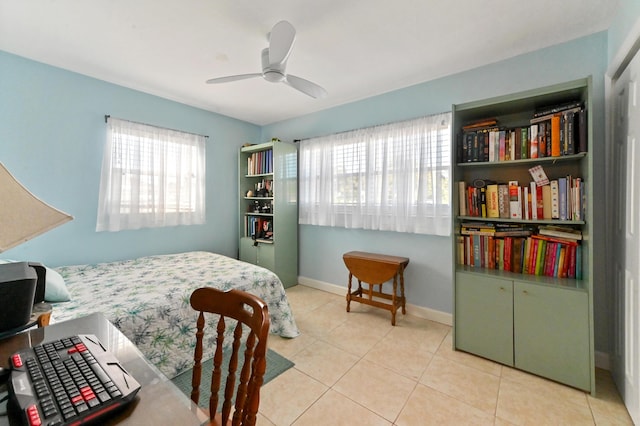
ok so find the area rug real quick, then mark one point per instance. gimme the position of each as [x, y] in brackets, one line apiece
[276, 365]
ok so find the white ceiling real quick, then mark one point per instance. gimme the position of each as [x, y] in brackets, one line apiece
[353, 48]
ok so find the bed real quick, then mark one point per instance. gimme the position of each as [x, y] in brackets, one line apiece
[148, 300]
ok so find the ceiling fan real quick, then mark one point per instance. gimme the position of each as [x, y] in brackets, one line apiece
[274, 63]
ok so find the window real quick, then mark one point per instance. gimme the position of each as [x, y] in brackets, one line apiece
[151, 177]
[394, 177]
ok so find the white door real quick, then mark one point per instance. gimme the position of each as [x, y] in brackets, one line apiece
[627, 294]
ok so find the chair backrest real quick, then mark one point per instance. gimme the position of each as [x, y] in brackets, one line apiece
[252, 316]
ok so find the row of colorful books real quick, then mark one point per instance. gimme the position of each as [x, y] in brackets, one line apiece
[563, 199]
[260, 163]
[534, 255]
[553, 132]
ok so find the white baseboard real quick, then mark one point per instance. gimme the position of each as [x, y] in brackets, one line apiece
[601, 358]
[418, 311]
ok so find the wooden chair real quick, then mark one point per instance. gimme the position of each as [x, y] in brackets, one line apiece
[247, 310]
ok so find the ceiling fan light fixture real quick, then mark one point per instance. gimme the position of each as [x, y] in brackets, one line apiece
[273, 76]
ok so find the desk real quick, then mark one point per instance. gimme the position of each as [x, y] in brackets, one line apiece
[376, 269]
[158, 402]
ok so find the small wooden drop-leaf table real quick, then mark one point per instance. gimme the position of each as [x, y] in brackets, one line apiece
[376, 269]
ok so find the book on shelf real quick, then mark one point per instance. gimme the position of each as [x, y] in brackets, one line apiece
[538, 174]
[515, 200]
[502, 145]
[534, 144]
[555, 136]
[555, 239]
[462, 198]
[560, 231]
[477, 228]
[525, 142]
[543, 138]
[546, 202]
[562, 198]
[480, 124]
[503, 201]
[554, 109]
[517, 246]
[533, 189]
[493, 207]
[582, 130]
[555, 200]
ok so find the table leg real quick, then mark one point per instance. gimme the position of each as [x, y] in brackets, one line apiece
[404, 309]
[393, 300]
[349, 292]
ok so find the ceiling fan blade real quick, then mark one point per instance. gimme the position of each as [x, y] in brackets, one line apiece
[281, 42]
[305, 86]
[233, 78]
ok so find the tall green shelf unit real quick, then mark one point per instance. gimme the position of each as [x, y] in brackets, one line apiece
[536, 323]
[270, 171]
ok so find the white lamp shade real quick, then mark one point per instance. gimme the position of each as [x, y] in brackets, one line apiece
[22, 215]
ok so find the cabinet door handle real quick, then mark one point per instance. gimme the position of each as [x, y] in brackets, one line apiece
[525, 292]
[502, 288]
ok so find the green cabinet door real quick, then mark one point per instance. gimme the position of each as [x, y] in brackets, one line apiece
[552, 333]
[262, 254]
[484, 317]
[248, 252]
[266, 256]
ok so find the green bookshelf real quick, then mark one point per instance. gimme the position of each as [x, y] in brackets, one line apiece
[268, 208]
[536, 323]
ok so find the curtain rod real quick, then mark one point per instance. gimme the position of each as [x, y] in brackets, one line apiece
[373, 126]
[107, 117]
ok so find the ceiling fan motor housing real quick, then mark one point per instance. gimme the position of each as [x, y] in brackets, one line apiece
[273, 73]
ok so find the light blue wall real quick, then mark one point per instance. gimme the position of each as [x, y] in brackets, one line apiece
[429, 275]
[626, 17]
[52, 134]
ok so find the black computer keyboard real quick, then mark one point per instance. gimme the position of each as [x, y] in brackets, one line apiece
[68, 381]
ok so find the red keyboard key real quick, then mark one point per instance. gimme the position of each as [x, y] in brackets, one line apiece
[33, 416]
[17, 361]
[80, 347]
[87, 393]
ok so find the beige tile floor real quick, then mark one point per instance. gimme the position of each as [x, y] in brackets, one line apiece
[356, 369]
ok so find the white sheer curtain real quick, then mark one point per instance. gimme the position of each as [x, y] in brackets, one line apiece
[151, 177]
[394, 177]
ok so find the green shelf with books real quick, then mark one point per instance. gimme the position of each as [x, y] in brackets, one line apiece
[268, 208]
[521, 208]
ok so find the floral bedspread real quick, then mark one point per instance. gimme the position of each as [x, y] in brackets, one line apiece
[148, 300]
